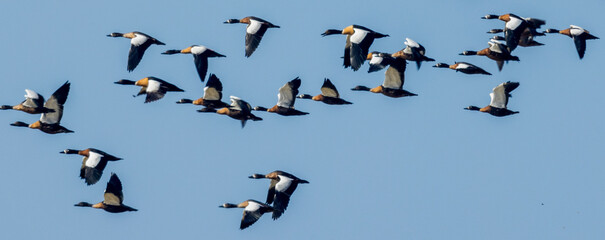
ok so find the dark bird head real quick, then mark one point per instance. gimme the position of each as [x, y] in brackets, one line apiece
[304, 96]
[184, 100]
[331, 32]
[472, 108]
[5, 107]
[496, 31]
[551, 30]
[125, 82]
[490, 16]
[20, 124]
[360, 88]
[70, 151]
[228, 205]
[499, 38]
[442, 65]
[115, 34]
[83, 204]
[172, 51]
[468, 53]
[259, 108]
[231, 21]
[257, 176]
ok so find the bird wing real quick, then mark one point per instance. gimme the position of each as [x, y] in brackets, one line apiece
[254, 34]
[271, 193]
[113, 193]
[239, 104]
[513, 30]
[287, 94]
[213, 89]
[394, 76]
[55, 102]
[499, 97]
[138, 45]
[580, 45]
[33, 99]
[201, 65]
[347, 54]
[252, 213]
[329, 90]
[360, 46]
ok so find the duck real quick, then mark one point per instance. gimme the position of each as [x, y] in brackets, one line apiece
[413, 51]
[213, 92]
[139, 42]
[285, 100]
[579, 36]
[393, 81]
[200, 57]
[93, 163]
[281, 189]
[33, 104]
[153, 87]
[254, 31]
[499, 100]
[239, 109]
[359, 40]
[496, 51]
[112, 199]
[463, 67]
[517, 29]
[253, 210]
[379, 61]
[525, 41]
[329, 95]
[50, 122]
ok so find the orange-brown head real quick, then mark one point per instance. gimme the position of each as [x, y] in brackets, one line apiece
[223, 111]
[505, 17]
[143, 82]
[318, 98]
[186, 50]
[378, 89]
[199, 101]
[348, 30]
[36, 125]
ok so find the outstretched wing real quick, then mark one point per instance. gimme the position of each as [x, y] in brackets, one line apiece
[55, 102]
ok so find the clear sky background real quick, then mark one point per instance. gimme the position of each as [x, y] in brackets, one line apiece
[410, 168]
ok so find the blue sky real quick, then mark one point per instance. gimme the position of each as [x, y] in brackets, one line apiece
[411, 168]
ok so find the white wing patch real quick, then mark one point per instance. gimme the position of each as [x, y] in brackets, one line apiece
[498, 97]
[513, 23]
[376, 59]
[575, 30]
[283, 184]
[463, 66]
[198, 50]
[138, 39]
[358, 35]
[235, 103]
[411, 43]
[31, 94]
[153, 86]
[93, 159]
[254, 26]
[252, 206]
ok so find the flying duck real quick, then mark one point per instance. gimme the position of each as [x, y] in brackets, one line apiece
[329, 95]
[239, 109]
[413, 51]
[499, 96]
[254, 31]
[155, 88]
[281, 188]
[496, 51]
[393, 81]
[200, 57]
[463, 67]
[285, 100]
[139, 42]
[253, 210]
[358, 44]
[50, 122]
[579, 36]
[213, 92]
[112, 199]
[517, 29]
[33, 104]
[93, 163]
[379, 60]
[525, 41]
